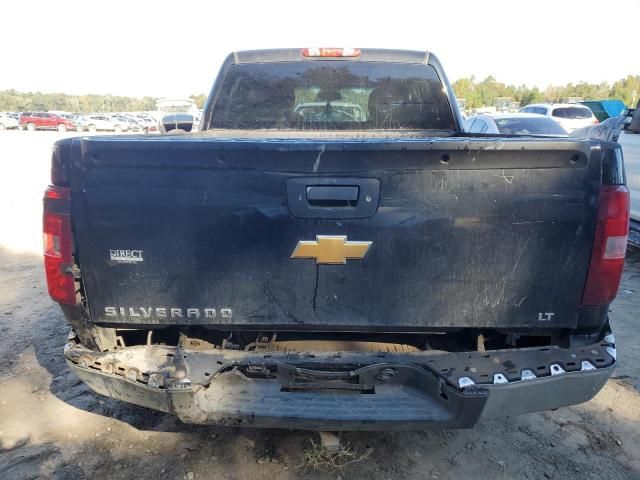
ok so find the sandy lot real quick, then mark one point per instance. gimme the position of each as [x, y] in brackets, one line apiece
[52, 426]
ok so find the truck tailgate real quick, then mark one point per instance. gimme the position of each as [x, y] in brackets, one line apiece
[463, 232]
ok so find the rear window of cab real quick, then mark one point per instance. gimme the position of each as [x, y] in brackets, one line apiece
[331, 95]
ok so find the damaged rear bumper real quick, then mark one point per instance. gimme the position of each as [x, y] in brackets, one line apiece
[348, 390]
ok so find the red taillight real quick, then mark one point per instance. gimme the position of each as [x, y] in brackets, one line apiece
[331, 52]
[56, 193]
[57, 245]
[609, 246]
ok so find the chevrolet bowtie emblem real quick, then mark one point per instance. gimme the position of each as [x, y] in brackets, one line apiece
[331, 249]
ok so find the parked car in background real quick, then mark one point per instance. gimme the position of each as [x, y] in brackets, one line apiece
[569, 115]
[80, 121]
[75, 118]
[514, 124]
[177, 123]
[7, 122]
[105, 123]
[149, 124]
[45, 121]
[131, 124]
[137, 121]
[15, 115]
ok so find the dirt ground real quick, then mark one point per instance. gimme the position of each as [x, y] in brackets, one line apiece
[52, 426]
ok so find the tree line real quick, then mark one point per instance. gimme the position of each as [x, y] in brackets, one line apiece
[14, 101]
[484, 93]
[476, 94]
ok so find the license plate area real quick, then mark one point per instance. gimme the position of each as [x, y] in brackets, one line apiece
[294, 379]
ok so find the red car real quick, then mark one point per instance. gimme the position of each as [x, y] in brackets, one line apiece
[45, 121]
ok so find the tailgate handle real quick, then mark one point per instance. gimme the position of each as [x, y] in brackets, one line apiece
[332, 196]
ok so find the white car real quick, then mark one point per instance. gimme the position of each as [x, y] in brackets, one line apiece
[569, 115]
[514, 124]
[97, 122]
[126, 120]
[7, 122]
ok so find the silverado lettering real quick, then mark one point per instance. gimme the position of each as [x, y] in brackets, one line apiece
[164, 312]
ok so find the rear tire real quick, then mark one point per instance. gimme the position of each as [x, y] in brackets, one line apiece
[91, 128]
[62, 127]
[31, 127]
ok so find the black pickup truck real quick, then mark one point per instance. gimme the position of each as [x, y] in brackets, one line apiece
[332, 251]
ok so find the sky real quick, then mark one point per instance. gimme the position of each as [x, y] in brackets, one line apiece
[175, 48]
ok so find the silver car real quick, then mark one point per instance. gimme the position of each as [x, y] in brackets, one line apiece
[514, 124]
[101, 122]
